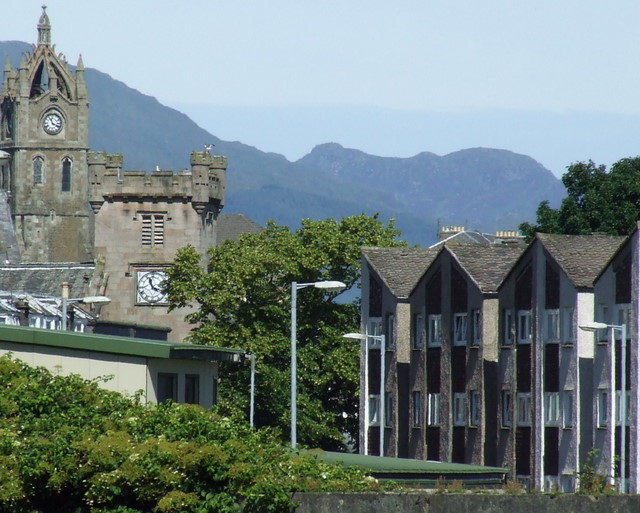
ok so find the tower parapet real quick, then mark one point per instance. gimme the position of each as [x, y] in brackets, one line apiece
[203, 185]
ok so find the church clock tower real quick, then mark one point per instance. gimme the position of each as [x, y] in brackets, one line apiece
[44, 130]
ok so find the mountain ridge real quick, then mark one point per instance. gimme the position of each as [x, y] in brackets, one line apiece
[481, 188]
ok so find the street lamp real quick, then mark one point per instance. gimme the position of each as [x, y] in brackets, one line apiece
[330, 286]
[95, 300]
[252, 387]
[595, 326]
[381, 407]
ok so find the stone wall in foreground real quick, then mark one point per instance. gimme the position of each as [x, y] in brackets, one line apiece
[429, 502]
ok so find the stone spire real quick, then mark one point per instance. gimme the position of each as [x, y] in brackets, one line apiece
[8, 70]
[81, 86]
[44, 28]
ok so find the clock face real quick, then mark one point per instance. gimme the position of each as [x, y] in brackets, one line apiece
[52, 123]
[150, 287]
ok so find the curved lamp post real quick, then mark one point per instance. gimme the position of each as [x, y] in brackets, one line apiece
[381, 407]
[595, 326]
[331, 286]
[95, 300]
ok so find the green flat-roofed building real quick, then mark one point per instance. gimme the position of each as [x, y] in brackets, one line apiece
[160, 369]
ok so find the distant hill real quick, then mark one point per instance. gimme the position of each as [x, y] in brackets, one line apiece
[481, 188]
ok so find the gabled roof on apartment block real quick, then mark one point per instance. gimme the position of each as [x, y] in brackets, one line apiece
[487, 265]
[400, 268]
[581, 257]
[624, 243]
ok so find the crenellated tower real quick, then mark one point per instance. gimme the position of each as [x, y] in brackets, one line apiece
[44, 130]
[142, 219]
[70, 204]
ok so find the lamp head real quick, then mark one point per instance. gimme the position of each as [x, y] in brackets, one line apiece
[95, 300]
[333, 286]
[593, 326]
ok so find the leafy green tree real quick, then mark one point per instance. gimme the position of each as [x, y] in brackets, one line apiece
[244, 300]
[597, 201]
[68, 445]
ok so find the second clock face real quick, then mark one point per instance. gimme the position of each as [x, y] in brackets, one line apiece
[52, 123]
[150, 287]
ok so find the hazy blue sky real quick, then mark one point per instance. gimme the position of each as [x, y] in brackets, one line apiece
[555, 79]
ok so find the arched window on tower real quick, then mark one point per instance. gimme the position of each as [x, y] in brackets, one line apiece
[40, 83]
[66, 174]
[37, 170]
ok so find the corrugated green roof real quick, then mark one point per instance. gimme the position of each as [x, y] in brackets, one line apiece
[117, 345]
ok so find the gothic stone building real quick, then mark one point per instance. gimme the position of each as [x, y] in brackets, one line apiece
[69, 204]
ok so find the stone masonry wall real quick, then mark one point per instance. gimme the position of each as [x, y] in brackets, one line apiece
[429, 502]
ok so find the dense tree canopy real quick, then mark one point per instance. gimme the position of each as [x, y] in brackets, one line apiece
[597, 201]
[244, 300]
[66, 445]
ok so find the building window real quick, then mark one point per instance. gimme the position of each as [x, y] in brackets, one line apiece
[619, 407]
[551, 408]
[416, 402]
[152, 230]
[374, 410]
[459, 406]
[603, 408]
[66, 174]
[435, 331]
[624, 317]
[374, 330]
[476, 336]
[167, 386]
[474, 408]
[505, 408]
[567, 409]
[388, 410]
[567, 483]
[569, 325]
[603, 316]
[192, 389]
[460, 329]
[433, 412]
[390, 340]
[507, 337]
[524, 326]
[524, 409]
[37, 170]
[552, 326]
[418, 331]
[214, 391]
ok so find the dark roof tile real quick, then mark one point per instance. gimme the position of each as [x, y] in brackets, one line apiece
[582, 257]
[400, 268]
[486, 264]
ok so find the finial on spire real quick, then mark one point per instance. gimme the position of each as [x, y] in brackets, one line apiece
[44, 28]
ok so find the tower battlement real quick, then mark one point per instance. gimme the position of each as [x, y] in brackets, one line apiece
[204, 183]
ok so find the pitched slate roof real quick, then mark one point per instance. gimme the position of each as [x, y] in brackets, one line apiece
[581, 257]
[231, 226]
[400, 268]
[47, 278]
[486, 264]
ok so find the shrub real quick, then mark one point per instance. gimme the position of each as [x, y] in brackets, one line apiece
[68, 445]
